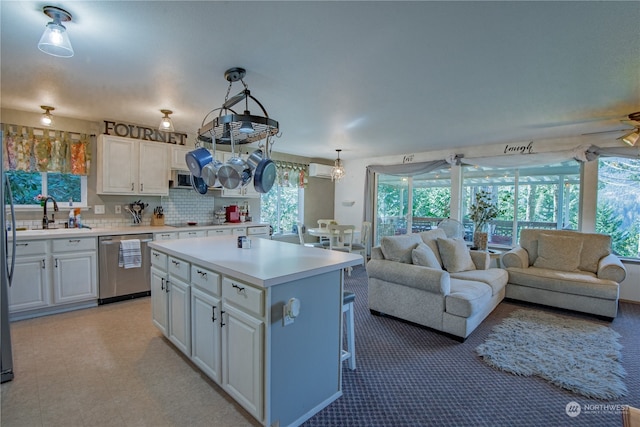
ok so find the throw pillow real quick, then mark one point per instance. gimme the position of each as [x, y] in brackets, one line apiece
[424, 256]
[455, 255]
[558, 252]
[430, 238]
[398, 248]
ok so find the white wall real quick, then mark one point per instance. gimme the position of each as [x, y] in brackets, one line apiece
[351, 188]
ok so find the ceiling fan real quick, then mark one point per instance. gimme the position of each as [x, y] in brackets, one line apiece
[631, 136]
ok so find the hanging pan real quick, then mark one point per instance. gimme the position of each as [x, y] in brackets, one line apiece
[199, 185]
[198, 159]
[265, 171]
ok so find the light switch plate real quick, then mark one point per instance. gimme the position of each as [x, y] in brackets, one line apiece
[98, 209]
[118, 209]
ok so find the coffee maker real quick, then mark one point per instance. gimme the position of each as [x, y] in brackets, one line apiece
[233, 213]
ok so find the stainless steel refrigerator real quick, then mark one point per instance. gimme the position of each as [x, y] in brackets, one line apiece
[6, 269]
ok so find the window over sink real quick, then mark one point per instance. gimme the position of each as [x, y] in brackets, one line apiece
[26, 186]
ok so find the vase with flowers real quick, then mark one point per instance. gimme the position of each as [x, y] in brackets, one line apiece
[481, 213]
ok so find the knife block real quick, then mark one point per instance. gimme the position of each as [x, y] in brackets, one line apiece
[157, 220]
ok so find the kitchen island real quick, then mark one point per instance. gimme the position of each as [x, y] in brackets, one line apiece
[224, 308]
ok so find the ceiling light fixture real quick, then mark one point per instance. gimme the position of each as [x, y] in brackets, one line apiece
[55, 40]
[631, 138]
[337, 172]
[242, 128]
[46, 119]
[166, 125]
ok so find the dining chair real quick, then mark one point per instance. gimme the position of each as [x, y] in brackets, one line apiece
[324, 223]
[307, 244]
[363, 247]
[341, 238]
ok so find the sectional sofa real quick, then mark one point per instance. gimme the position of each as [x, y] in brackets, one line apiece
[428, 279]
[565, 269]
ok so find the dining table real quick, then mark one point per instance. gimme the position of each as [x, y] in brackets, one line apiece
[324, 232]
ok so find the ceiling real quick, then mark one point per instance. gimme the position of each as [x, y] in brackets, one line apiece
[370, 78]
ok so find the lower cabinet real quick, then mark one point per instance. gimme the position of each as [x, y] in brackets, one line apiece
[53, 275]
[205, 333]
[179, 299]
[221, 329]
[159, 307]
[74, 277]
[242, 359]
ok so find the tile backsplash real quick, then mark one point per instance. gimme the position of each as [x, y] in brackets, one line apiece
[179, 207]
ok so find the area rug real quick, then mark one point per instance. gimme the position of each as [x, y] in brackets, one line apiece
[577, 355]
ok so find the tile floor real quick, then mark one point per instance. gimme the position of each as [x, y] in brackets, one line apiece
[108, 366]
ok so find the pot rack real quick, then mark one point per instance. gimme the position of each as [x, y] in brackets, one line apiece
[230, 126]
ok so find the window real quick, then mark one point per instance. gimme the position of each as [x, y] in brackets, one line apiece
[26, 186]
[617, 212]
[429, 202]
[282, 207]
[533, 197]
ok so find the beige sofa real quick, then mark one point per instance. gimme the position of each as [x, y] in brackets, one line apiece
[433, 281]
[565, 269]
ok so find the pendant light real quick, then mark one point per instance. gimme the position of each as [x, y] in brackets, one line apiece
[46, 119]
[244, 128]
[337, 172]
[166, 125]
[55, 40]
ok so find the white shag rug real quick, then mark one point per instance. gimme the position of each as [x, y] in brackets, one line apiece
[578, 355]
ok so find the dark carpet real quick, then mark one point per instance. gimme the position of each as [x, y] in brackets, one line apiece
[411, 376]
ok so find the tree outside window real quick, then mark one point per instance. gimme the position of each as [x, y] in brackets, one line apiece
[617, 213]
[280, 208]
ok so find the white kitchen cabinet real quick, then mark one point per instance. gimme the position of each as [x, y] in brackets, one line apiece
[159, 307]
[30, 286]
[165, 236]
[205, 333]
[239, 231]
[192, 233]
[179, 295]
[179, 301]
[53, 275]
[75, 277]
[219, 232]
[132, 167]
[178, 153]
[242, 359]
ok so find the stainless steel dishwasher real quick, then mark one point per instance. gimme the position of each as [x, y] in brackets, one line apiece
[118, 283]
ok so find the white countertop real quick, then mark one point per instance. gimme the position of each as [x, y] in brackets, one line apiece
[61, 233]
[266, 263]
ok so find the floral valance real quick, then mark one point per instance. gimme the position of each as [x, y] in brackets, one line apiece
[42, 150]
[291, 174]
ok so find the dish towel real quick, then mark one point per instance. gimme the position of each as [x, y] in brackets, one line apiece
[130, 255]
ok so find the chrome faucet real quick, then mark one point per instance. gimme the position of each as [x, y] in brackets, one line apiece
[45, 219]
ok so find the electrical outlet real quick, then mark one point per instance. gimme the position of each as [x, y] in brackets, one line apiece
[98, 209]
[286, 319]
[118, 209]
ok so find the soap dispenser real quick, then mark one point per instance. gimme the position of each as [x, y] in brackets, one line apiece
[72, 219]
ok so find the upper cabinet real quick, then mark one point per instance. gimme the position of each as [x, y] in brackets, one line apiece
[132, 167]
[178, 161]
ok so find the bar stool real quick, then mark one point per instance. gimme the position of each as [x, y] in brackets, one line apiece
[347, 308]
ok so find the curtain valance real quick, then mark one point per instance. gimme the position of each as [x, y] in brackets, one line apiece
[405, 169]
[41, 150]
[292, 174]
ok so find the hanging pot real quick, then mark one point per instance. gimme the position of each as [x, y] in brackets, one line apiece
[210, 173]
[232, 174]
[264, 176]
[255, 158]
[197, 159]
[199, 185]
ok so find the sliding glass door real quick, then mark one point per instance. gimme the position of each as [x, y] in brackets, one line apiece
[406, 204]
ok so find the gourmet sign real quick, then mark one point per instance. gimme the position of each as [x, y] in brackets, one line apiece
[140, 132]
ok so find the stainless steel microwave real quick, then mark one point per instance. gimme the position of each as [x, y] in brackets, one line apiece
[180, 179]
